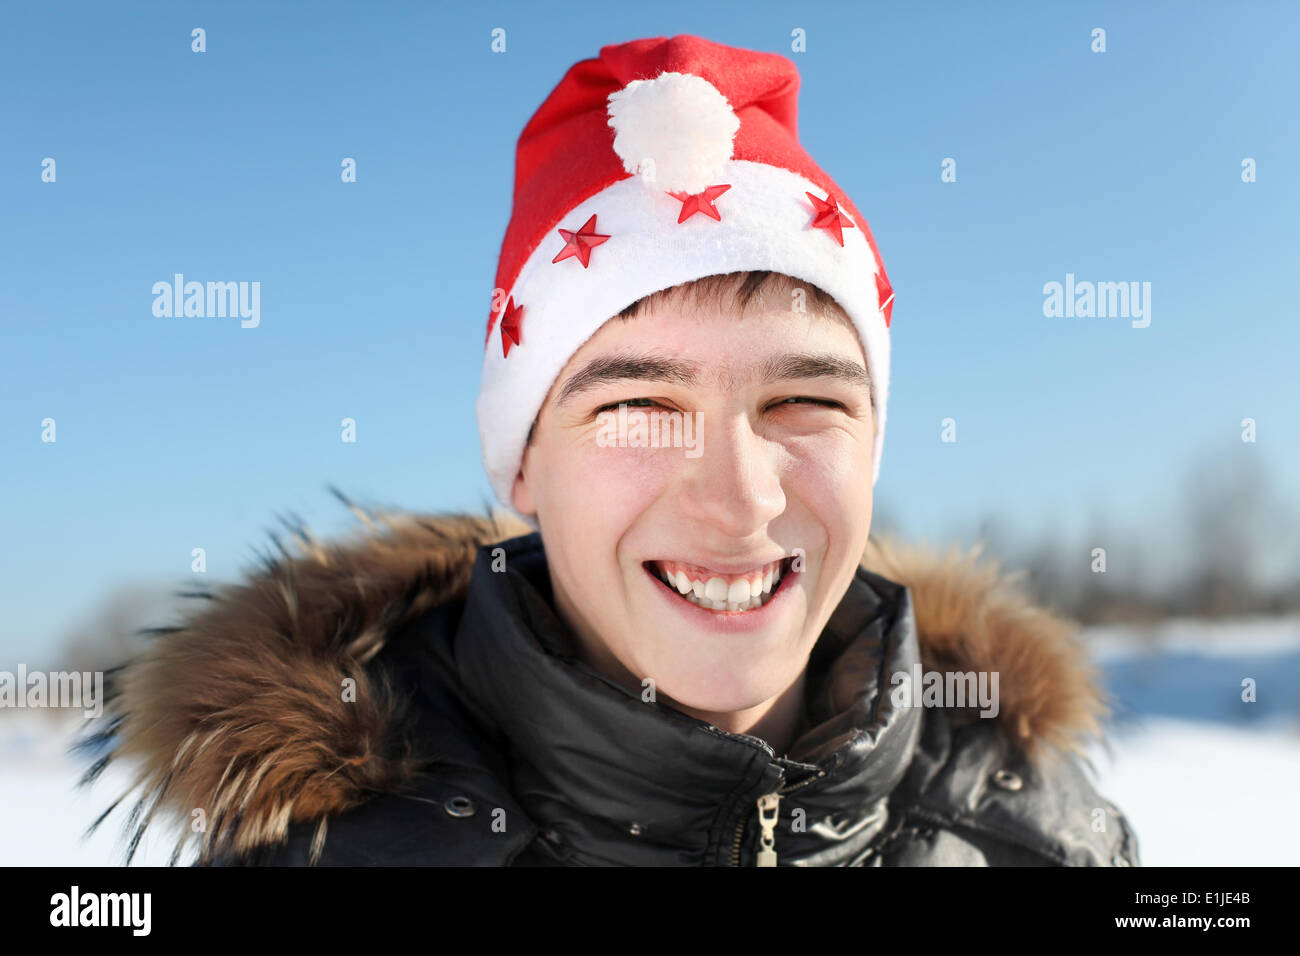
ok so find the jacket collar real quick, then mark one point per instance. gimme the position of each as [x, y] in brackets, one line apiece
[614, 779]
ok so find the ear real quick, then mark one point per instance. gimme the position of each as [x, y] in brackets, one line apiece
[520, 495]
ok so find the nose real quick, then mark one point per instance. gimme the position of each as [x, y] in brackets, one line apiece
[734, 487]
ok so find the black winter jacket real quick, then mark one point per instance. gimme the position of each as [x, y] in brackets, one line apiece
[396, 701]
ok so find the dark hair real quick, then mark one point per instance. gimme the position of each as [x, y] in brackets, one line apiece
[715, 290]
[743, 287]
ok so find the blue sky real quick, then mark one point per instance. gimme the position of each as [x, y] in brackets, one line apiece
[175, 434]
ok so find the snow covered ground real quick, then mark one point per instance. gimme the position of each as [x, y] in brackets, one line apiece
[1205, 794]
[1206, 778]
[45, 813]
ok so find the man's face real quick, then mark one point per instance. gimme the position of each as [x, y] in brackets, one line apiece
[777, 493]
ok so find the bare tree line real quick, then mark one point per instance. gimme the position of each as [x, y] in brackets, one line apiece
[1224, 542]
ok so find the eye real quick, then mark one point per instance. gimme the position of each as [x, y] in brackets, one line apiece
[805, 399]
[631, 403]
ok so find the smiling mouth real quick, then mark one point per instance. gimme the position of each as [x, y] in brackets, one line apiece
[731, 593]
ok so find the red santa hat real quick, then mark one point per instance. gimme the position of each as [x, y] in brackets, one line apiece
[660, 162]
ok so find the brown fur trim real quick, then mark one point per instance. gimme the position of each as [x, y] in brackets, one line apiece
[972, 616]
[239, 711]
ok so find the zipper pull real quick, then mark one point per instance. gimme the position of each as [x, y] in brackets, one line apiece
[768, 811]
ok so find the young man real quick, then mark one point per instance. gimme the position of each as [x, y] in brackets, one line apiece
[690, 654]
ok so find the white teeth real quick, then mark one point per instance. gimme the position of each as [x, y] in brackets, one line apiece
[738, 593]
[755, 601]
[744, 594]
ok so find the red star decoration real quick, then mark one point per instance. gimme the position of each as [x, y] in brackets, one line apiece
[885, 292]
[510, 326]
[829, 217]
[580, 243]
[700, 202]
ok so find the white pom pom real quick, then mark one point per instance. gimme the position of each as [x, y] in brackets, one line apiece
[676, 130]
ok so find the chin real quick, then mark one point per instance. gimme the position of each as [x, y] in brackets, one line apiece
[708, 703]
[724, 687]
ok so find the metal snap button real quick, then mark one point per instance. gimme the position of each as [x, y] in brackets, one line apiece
[635, 829]
[460, 806]
[1007, 780]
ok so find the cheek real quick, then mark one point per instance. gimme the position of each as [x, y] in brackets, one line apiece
[603, 490]
[831, 478]
[831, 473]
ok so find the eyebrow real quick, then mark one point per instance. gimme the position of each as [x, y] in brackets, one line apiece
[605, 369]
[608, 369]
[805, 365]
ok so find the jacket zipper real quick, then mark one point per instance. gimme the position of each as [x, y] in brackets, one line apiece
[768, 809]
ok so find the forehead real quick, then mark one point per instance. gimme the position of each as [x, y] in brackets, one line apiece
[725, 335]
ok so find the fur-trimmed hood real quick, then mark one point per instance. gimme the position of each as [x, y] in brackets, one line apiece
[237, 711]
